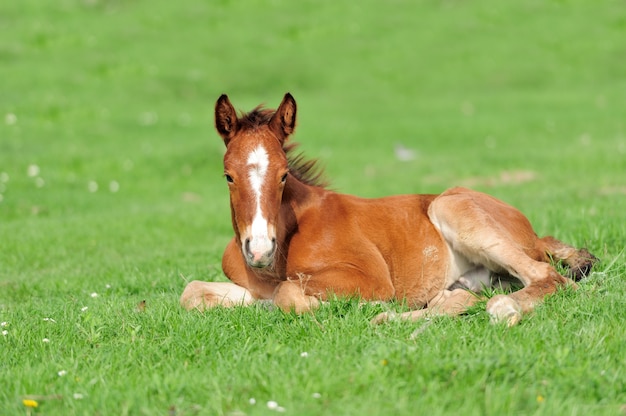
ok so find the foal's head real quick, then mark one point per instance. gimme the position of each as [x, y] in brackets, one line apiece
[256, 170]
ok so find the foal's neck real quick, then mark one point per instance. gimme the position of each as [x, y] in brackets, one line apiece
[297, 197]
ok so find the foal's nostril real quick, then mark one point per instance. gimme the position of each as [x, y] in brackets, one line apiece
[247, 247]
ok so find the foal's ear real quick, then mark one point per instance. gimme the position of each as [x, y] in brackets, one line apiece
[226, 121]
[283, 122]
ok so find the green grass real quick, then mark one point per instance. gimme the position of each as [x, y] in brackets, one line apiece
[524, 100]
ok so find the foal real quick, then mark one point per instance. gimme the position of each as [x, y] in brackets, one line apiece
[297, 242]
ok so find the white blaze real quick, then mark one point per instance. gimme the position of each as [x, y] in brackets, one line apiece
[258, 162]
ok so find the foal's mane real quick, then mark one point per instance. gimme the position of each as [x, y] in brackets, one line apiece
[305, 170]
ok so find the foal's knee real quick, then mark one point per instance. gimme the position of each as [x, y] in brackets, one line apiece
[290, 296]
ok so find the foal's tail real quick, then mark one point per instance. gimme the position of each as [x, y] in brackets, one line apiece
[578, 261]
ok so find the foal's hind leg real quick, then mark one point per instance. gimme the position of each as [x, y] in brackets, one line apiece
[447, 303]
[578, 261]
[509, 308]
[489, 232]
[541, 277]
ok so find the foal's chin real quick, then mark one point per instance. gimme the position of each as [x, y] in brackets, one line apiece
[260, 264]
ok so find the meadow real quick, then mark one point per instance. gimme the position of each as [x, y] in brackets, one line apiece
[112, 198]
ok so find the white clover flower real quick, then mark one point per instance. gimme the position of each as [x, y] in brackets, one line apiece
[272, 405]
[33, 170]
[77, 396]
[148, 118]
[92, 186]
[252, 400]
[94, 295]
[3, 324]
[5, 332]
[84, 308]
[304, 354]
[62, 373]
[317, 396]
[45, 340]
[114, 186]
[10, 119]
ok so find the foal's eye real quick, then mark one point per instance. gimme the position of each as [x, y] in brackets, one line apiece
[283, 179]
[229, 178]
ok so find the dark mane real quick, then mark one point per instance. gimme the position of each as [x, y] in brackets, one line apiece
[305, 170]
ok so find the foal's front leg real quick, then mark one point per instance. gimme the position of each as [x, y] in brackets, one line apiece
[290, 295]
[203, 295]
[305, 292]
[244, 289]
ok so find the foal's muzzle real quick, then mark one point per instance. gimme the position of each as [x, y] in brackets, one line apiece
[259, 252]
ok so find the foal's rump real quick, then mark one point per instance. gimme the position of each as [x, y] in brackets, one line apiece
[487, 231]
[479, 231]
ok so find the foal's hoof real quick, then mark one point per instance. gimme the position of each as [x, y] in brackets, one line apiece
[381, 318]
[581, 266]
[504, 309]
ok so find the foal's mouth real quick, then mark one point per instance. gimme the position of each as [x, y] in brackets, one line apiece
[260, 264]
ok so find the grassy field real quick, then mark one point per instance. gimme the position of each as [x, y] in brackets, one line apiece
[111, 198]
